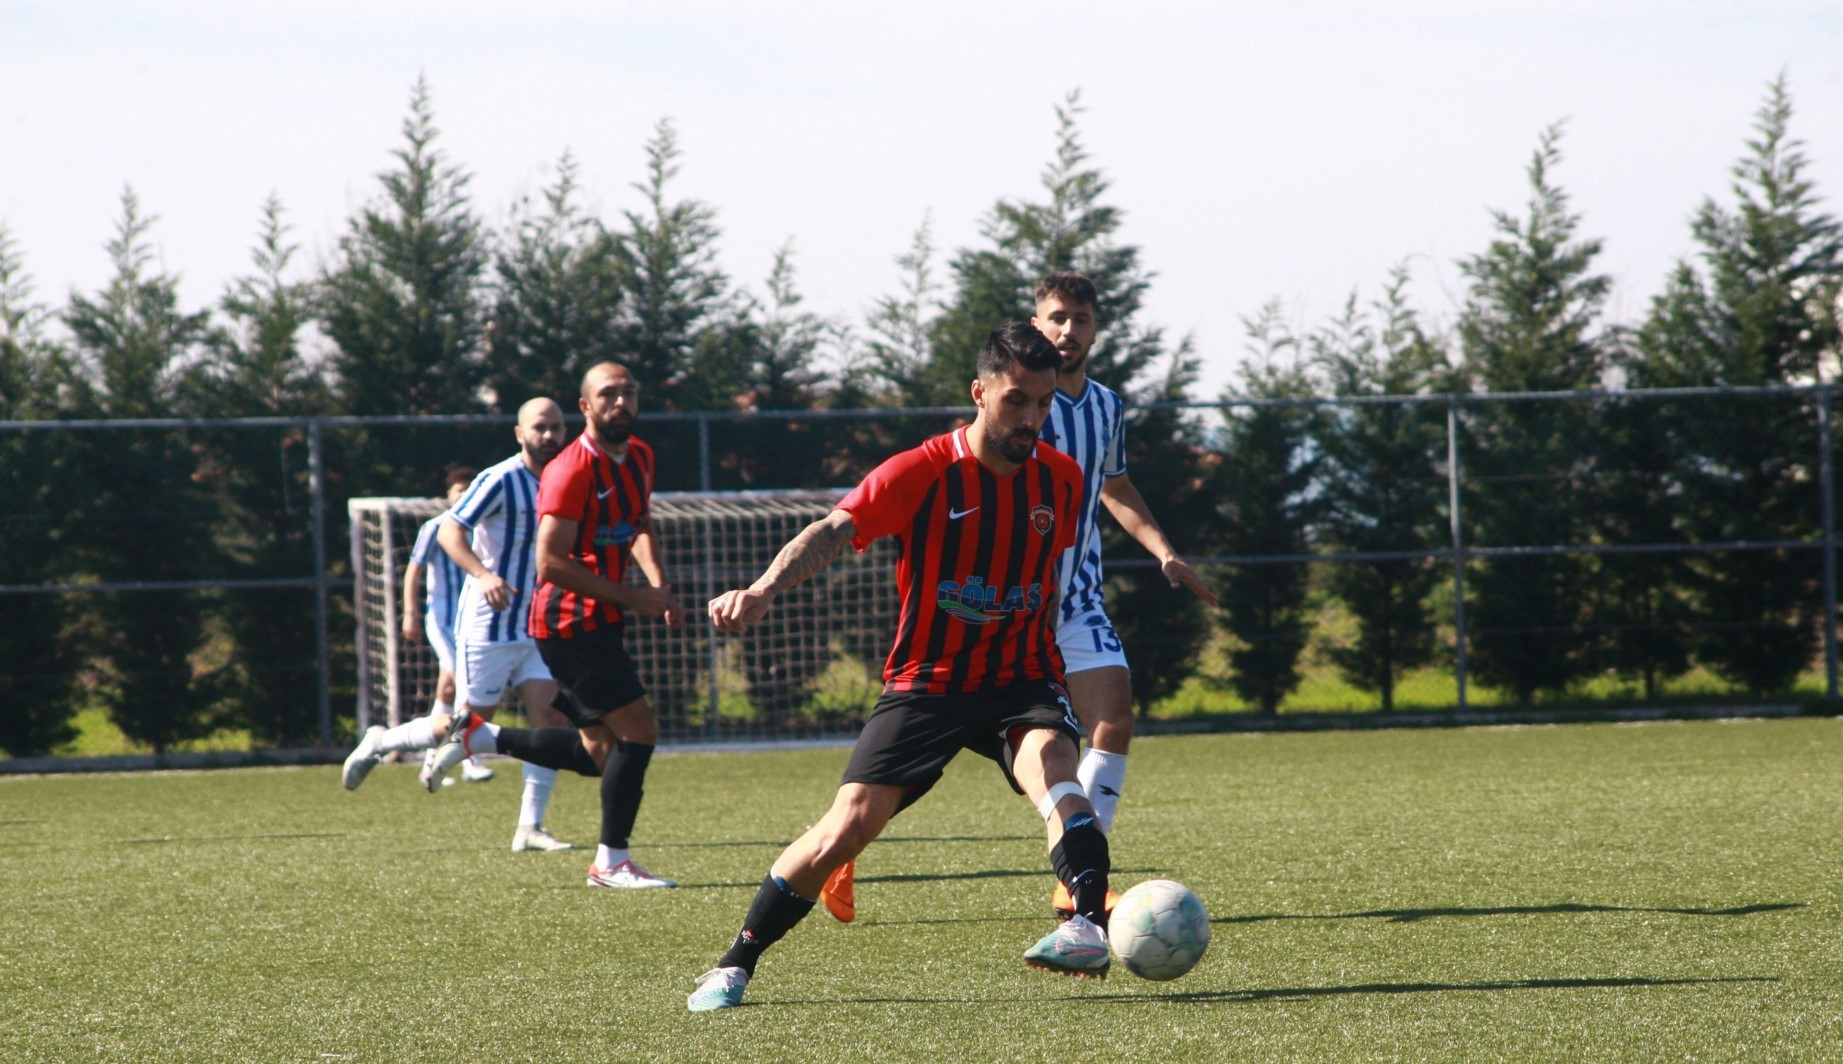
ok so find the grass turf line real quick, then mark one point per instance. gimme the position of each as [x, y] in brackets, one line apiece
[1586, 892]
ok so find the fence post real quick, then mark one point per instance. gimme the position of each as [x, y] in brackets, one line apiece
[317, 460]
[703, 452]
[1827, 503]
[715, 658]
[1452, 505]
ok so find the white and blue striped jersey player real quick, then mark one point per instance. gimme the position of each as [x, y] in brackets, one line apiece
[493, 650]
[1090, 428]
[441, 583]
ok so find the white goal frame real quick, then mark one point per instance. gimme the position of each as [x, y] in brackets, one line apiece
[812, 670]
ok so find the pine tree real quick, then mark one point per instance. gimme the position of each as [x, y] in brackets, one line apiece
[1072, 230]
[558, 291]
[134, 352]
[1262, 485]
[36, 663]
[401, 306]
[1382, 491]
[259, 369]
[900, 350]
[677, 330]
[1761, 311]
[1527, 326]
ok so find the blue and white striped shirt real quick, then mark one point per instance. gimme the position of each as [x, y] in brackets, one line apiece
[1092, 430]
[500, 509]
[442, 581]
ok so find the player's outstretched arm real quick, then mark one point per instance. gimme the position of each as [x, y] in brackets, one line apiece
[804, 556]
[1129, 508]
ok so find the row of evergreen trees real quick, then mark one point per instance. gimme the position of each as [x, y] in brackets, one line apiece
[425, 309]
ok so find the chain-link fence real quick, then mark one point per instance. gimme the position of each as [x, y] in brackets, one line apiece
[1430, 552]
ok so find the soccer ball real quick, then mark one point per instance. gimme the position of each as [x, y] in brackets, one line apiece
[1159, 929]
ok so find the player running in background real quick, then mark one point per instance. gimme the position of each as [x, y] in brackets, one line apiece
[491, 534]
[1088, 424]
[595, 514]
[430, 567]
[981, 515]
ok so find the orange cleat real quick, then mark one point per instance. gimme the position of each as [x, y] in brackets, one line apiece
[840, 900]
[1065, 905]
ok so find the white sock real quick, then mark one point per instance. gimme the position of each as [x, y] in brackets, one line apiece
[446, 709]
[607, 857]
[538, 782]
[483, 739]
[1103, 776]
[418, 734]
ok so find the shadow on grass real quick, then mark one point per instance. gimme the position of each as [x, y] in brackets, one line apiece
[1294, 993]
[928, 877]
[1306, 992]
[731, 843]
[164, 839]
[1408, 916]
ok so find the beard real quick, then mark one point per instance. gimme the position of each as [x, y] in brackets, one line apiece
[1014, 446]
[616, 429]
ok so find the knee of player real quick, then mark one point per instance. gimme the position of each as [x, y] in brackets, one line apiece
[846, 837]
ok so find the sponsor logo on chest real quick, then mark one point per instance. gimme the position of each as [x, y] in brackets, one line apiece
[616, 535]
[976, 602]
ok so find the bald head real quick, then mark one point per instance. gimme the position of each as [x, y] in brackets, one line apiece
[599, 375]
[610, 403]
[539, 431]
[539, 409]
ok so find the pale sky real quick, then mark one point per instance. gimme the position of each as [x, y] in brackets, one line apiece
[1292, 151]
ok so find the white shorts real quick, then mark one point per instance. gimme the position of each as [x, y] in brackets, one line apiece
[441, 640]
[483, 672]
[1088, 641]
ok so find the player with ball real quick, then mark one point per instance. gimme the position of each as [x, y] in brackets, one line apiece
[981, 516]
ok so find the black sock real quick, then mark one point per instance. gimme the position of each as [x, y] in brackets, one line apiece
[772, 914]
[623, 783]
[558, 748]
[1081, 861]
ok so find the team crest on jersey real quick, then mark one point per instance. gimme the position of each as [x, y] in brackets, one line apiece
[977, 602]
[615, 535]
[1042, 518]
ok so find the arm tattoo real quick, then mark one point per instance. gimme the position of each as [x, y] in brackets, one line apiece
[805, 555]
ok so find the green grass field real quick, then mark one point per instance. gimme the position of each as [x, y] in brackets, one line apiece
[1574, 893]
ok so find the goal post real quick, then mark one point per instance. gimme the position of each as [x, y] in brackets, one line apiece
[812, 669]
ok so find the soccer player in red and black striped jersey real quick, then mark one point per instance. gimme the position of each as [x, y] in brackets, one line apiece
[981, 515]
[594, 505]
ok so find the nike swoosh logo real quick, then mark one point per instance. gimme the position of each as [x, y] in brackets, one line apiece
[604, 494]
[955, 515]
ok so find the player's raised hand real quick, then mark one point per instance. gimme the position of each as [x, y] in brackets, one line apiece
[734, 611]
[496, 591]
[1179, 572]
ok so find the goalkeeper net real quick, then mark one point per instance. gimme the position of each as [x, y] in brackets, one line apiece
[812, 669]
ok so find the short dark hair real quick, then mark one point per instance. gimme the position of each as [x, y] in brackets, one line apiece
[1070, 288]
[1017, 344]
[455, 473]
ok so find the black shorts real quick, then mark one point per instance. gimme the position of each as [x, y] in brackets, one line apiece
[594, 671]
[911, 736]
